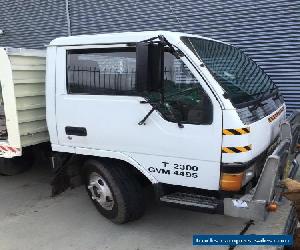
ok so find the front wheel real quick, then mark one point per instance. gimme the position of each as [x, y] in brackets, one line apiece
[116, 193]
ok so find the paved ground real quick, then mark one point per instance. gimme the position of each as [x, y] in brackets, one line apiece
[30, 219]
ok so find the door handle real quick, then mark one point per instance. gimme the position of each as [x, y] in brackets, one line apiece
[79, 131]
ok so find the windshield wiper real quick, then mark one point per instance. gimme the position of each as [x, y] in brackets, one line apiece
[258, 102]
[155, 106]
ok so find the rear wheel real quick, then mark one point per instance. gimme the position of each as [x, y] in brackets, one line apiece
[16, 165]
[116, 193]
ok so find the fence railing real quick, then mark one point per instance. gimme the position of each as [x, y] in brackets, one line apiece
[92, 79]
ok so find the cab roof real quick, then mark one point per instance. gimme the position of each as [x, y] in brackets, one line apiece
[110, 38]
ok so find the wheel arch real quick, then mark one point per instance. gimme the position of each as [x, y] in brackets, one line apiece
[108, 155]
[120, 157]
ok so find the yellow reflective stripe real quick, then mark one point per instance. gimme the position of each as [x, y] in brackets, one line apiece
[236, 150]
[226, 132]
[241, 131]
[242, 149]
[236, 131]
[227, 150]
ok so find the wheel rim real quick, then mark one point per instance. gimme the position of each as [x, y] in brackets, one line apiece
[100, 191]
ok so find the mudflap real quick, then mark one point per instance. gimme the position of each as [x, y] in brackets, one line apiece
[66, 172]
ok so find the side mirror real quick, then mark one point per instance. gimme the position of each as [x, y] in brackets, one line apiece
[149, 66]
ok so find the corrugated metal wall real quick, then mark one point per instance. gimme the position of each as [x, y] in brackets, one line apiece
[268, 30]
[31, 23]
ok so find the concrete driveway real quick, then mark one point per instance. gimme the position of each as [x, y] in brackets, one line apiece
[31, 219]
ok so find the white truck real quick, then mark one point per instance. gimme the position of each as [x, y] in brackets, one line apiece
[194, 117]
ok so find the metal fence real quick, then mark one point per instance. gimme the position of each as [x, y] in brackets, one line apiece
[92, 80]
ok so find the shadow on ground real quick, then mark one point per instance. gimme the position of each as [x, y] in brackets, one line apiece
[31, 219]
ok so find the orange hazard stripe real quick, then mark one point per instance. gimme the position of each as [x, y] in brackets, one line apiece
[275, 116]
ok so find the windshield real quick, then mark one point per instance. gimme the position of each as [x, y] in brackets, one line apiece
[240, 77]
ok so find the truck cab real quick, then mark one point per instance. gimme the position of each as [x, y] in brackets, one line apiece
[184, 111]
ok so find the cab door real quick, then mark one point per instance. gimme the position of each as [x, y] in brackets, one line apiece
[99, 108]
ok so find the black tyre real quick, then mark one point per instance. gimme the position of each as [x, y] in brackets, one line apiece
[17, 164]
[116, 193]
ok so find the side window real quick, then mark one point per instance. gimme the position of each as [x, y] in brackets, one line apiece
[185, 100]
[101, 71]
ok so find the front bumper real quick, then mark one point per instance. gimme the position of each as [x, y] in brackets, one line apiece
[253, 205]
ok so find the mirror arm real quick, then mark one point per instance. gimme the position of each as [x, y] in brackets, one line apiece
[177, 53]
[149, 40]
